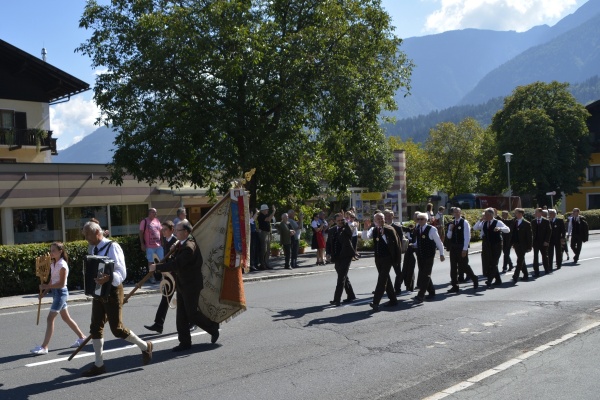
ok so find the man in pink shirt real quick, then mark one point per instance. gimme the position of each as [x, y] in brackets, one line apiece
[150, 238]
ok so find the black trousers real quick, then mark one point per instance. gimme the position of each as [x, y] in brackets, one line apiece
[254, 249]
[424, 279]
[539, 248]
[384, 283]
[576, 243]
[294, 254]
[490, 256]
[555, 248]
[342, 266]
[188, 312]
[459, 265]
[521, 266]
[161, 313]
[287, 252]
[506, 250]
[408, 269]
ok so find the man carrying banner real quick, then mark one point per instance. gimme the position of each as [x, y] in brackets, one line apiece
[187, 263]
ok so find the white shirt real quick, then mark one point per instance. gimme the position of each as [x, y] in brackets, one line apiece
[369, 234]
[499, 224]
[466, 233]
[433, 235]
[55, 271]
[116, 254]
[570, 229]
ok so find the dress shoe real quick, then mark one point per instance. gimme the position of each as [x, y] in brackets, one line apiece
[504, 269]
[453, 289]
[253, 269]
[349, 300]
[475, 283]
[558, 267]
[193, 327]
[510, 267]
[418, 299]
[467, 279]
[536, 274]
[182, 347]
[94, 371]
[288, 267]
[214, 337]
[575, 259]
[374, 306]
[391, 303]
[430, 296]
[525, 278]
[398, 292]
[335, 303]
[269, 267]
[147, 354]
[498, 282]
[156, 328]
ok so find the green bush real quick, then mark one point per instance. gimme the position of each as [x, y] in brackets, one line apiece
[365, 245]
[17, 264]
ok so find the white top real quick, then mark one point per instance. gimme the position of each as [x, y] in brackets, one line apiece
[116, 254]
[570, 224]
[354, 226]
[466, 232]
[499, 224]
[55, 271]
[433, 235]
[369, 234]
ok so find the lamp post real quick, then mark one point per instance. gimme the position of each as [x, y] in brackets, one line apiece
[507, 157]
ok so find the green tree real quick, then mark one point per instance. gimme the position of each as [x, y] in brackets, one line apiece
[453, 155]
[545, 128]
[418, 182]
[201, 91]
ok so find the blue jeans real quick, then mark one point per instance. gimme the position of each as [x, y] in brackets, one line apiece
[59, 299]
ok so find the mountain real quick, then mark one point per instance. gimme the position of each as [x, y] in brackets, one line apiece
[449, 66]
[571, 57]
[418, 127]
[95, 148]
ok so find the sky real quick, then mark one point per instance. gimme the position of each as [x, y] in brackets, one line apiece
[33, 24]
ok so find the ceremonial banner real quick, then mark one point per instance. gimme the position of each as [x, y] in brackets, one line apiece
[222, 297]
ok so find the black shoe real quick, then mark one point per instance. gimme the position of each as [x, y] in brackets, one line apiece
[288, 267]
[488, 283]
[453, 289]
[374, 306]
[515, 279]
[373, 292]
[418, 299]
[391, 303]
[193, 327]
[398, 292]
[430, 296]
[475, 283]
[269, 267]
[253, 269]
[504, 269]
[335, 303]
[575, 259]
[461, 280]
[467, 279]
[498, 282]
[349, 300]
[214, 337]
[510, 267]
[558, 267]
[536, 274]
[154, 327]
[260, 268]
[181, 347]
[525, 278]
[93, 371]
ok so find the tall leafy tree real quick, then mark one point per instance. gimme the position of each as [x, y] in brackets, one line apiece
[453, 155]
[545, 128]
[202, 90]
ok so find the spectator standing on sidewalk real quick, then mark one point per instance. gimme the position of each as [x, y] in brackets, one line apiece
[181, 215]
[254, 242]
[264, 231]
[285, 237]
[318, 241]
[297, 227]
[59, 271]
[150, 241]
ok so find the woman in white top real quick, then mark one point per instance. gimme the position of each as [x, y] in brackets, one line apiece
[59, 271]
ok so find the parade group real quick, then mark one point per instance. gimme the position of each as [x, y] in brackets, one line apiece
[172, 243]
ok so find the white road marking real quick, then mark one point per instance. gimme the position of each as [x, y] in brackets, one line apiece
[506, 365]
[130, 346]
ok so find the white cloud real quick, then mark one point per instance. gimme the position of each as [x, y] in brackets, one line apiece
[73, 120]
[517, 15]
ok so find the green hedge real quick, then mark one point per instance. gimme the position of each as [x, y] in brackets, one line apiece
[17, 264]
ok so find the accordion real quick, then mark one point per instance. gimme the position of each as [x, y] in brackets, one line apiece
[94, 267]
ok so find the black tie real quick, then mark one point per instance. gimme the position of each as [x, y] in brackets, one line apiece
[95, 250]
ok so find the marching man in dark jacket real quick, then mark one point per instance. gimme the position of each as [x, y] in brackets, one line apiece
[387, 253]
[187, 263]
[342, 251]
[541, 230]
[557, 239]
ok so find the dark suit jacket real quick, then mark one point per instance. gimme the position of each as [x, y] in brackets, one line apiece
[558, 231]
[541, 232]
[393, 242]
[186, 262]
[340, 242]
[524, 232]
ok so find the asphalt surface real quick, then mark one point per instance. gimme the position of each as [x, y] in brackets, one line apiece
[292, 344]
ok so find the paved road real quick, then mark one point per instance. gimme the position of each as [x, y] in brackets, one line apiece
[291, 344]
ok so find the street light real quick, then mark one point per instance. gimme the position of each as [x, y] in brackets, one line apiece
[507, 157]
